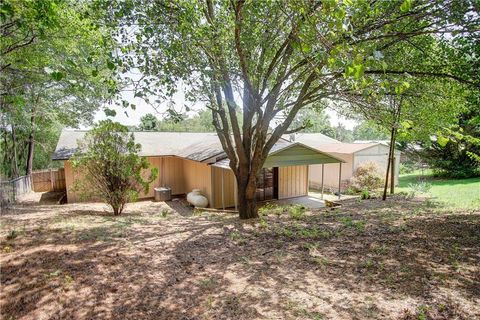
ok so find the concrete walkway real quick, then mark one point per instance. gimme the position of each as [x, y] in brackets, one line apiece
[306, 201]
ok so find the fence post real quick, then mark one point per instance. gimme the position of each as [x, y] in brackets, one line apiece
[52, 187]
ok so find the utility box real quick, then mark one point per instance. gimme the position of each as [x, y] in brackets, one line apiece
[163, 194]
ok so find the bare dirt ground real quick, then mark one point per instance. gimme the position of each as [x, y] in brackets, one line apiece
[366, 260]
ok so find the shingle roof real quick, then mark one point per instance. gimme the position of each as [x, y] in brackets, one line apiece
[190, 145]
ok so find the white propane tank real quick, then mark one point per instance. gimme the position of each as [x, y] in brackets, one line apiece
[196, 199]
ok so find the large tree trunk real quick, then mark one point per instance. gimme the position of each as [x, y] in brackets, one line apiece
[247, 205]
[247, 187]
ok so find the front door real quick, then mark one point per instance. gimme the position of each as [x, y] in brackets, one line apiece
[267, 184]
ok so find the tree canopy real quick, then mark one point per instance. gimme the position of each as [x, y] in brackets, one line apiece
[311, 52]
[55, 72]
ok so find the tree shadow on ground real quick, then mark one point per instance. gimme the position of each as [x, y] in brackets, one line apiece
[346, 263]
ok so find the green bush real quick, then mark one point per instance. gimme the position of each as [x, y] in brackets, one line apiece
[112, 169]
[368, 177]
[365, 194]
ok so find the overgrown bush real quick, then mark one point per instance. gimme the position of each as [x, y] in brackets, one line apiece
[368, 176]
[112, 169]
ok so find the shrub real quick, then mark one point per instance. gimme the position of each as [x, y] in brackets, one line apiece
[113, 171]
[351, 191]
[368, 177]
[12, 235]
[365, 194]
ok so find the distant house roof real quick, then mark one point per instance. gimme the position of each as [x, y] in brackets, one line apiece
[386, 142]
[311, 138]
[330, 145]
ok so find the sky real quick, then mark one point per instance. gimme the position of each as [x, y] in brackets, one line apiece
[132, 117]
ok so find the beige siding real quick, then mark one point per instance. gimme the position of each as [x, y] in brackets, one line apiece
[331, 172]
[292, 181]
[69, 182]
[71, 178]
[179, 174]
[229, 190]
[197, 175]
[377, 154]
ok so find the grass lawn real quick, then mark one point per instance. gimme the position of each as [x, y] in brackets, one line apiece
[398, 259]
[458, 193]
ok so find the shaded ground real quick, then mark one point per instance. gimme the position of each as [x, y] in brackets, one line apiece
[367, 260]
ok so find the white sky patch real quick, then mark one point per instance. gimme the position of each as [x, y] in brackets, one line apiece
[131, 117]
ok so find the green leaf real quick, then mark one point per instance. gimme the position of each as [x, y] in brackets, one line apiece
[57, 75]
[359, 70]
[110, 112]
[95, 73]
[110, 65]
[442, 141]
[406, 5]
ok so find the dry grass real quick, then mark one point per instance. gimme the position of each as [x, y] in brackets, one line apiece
[368, 260]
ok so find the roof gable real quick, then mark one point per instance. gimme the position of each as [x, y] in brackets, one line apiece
[296, 154]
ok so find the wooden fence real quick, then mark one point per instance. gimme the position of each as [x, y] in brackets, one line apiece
[48, 180]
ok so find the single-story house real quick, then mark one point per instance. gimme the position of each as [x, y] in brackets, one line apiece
[189, 161]
[353, 155]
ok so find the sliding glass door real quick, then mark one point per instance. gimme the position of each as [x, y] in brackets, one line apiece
[267, 184]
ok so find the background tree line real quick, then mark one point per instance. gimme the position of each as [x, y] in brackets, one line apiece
[56, 71]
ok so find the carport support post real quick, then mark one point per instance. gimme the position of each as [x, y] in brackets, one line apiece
[323, 167]
[339, 180]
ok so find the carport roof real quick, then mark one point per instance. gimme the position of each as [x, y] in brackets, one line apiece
[291, 154]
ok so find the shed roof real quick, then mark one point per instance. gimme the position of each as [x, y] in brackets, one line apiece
[311, 138]
[346, 148]
[327, 144]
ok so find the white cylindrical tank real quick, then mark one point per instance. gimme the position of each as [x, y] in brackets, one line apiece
[197, 199]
